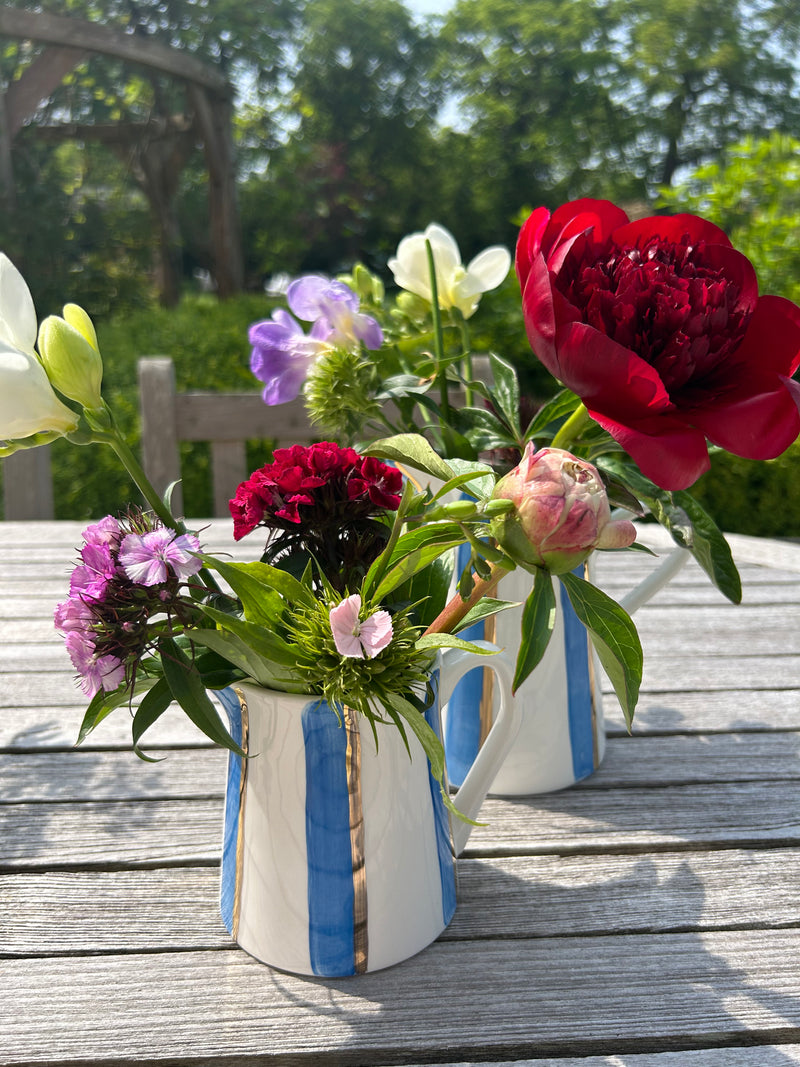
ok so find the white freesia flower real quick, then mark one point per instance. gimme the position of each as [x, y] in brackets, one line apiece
[28, 404]
[457, 286]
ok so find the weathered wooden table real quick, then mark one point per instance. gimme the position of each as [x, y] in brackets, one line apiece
[647, 918]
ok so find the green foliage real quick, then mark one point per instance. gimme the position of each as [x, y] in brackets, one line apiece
[208, 342]
[749, 497]
[754, 195]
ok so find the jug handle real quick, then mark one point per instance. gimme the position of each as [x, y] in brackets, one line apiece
[657, 579]
[455, 664]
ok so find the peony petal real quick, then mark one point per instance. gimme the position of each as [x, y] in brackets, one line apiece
[529, 243]
[619, 533]
[607, 376]
[672, 228]
[667, 451]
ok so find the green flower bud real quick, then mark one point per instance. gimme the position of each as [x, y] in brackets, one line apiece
[69, 353]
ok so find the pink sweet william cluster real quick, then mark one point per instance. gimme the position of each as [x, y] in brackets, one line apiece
[561, 512]
[128, 571]
[315, 486]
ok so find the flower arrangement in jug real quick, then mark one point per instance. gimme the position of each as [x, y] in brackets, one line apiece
[349, 599]
[654, 331]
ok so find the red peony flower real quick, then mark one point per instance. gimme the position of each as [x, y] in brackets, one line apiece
[658, 327]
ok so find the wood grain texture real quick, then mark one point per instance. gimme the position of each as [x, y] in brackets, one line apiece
[162, 909]
[508, 998]
[649, 917]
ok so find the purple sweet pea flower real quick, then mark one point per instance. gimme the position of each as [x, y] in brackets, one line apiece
[147, 558]
[283, 354]
[314, 298]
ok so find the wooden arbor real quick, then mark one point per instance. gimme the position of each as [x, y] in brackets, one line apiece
[158, 149]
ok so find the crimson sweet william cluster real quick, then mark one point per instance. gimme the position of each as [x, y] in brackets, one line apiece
[658, 327]
[313, 485]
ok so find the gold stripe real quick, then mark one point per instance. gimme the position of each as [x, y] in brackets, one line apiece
[592, 687]
[487, 692]
[237, 887]
[595, 739]
[360, 935]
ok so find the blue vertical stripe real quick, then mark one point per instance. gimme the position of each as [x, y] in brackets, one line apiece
[441, 820]
[579, 689]
[330, 866]
[233, 709]
[462, 731]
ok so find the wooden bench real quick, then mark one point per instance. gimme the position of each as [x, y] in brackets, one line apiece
[226, 420]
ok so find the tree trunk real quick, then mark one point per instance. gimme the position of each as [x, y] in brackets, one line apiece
[215, 122]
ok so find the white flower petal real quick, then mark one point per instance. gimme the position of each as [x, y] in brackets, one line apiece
[17, 313]
[490, 267]
[445, 248]
[28, 404]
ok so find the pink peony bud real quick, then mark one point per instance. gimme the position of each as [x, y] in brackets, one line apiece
[561, 512]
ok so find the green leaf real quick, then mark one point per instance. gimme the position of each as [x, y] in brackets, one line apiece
[414, 551]
[264, 642]
[485, 607]
[263, 590]
[411, 449]
[187, 688]
[102, 704]
[237, 652]
[538, 621]
[149, 711]
[688, 522]
[427, 591]
[505, 392]
[614, 636]
[556, 410]
[440, 640]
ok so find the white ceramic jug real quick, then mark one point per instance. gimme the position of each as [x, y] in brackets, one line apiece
[338, 856]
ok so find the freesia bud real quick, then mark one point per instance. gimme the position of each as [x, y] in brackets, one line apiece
[561, 512]
[68, 348]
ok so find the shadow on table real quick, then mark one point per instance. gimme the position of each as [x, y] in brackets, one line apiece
[570, 960]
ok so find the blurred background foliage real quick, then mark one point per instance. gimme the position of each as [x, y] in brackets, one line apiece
[358, 121]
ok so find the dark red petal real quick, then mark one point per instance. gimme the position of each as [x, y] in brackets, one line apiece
[671, 228]
[529, 242]
[577, 216]
[539, 314]
[759, 419]
[667, 451]
[607, 376]
[772, 340]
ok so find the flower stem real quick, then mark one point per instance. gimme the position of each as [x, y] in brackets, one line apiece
[438, 341]
[572, 428]
[452, 614]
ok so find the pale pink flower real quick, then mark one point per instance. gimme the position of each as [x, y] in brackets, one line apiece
[355, 639]
[148, 558]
